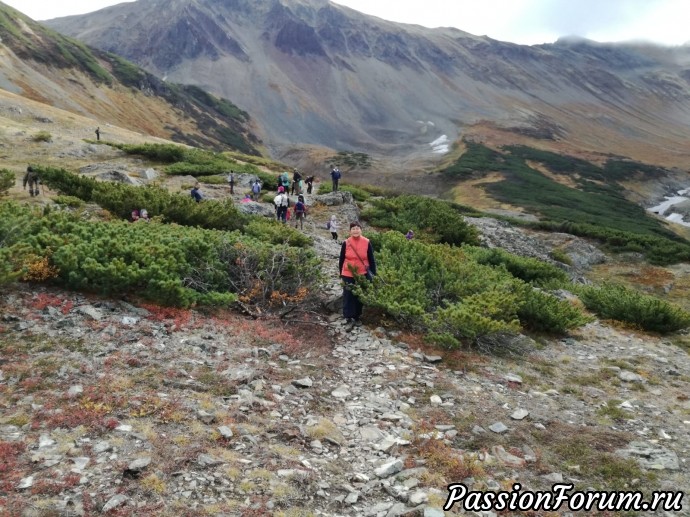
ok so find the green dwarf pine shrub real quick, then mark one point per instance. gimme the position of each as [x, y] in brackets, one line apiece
[7, 180]
[121, 199]
[621, 303]
[443, 290]
[168, 264]
[432, 220]
[528, 269]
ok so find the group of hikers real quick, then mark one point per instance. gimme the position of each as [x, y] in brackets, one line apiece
[356, 252]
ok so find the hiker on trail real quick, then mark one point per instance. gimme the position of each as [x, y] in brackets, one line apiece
[196, 194]
[356, 258]
[309, 181]
[231, 182]
[409, 235]
[335, 177]
[31, 177]
[98, 133]
[256, 190]
[300, 212]
[332, 225]
[284, 181]
[282, 203]
[296, 178]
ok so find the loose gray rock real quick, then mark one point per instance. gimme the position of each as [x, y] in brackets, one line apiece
[651, 456]
[388, 469]
[519, 414]
[114, 502]
[225, 432]
[139, 464]
[627, 376]
[303, 383]
[498, 427]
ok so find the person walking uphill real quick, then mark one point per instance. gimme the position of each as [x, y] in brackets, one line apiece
[31, 177]
[356, 257]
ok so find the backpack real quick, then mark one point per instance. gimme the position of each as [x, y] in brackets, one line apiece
[299, 207]
[328, 225]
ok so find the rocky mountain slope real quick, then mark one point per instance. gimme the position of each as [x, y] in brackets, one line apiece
[55, 70]
[125, 408]
[313, 72]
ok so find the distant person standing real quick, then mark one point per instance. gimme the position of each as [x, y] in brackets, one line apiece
[98, 133]
[256, 190]
[335, 177]
[231, 182]
[196, 194]
[309, 181]
[31, 177]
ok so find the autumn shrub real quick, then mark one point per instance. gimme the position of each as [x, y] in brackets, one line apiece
[167, 264]
[621, 303]
[453, 298]
[7, 180]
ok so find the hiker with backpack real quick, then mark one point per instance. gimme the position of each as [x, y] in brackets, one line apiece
[284, 181]
[31, 177]
[356, 258]
[296, 179]
[332, 226]
[335, 178]
[282, 203]
[300, 212]
[309, 181]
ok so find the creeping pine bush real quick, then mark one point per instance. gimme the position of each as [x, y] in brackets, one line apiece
[6, 181]
[431, 219]
[442, 289]
[167, 264]
[621, 303]
[121, 199]
[528, 269]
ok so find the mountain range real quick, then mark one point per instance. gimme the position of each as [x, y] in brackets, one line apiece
[314, 74]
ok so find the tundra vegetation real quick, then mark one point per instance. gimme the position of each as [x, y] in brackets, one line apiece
[209, 254]
[596, 209]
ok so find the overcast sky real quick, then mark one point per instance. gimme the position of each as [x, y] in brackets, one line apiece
[520, 21]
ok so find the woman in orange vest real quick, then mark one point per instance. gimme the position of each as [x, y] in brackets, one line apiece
[356, 257]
